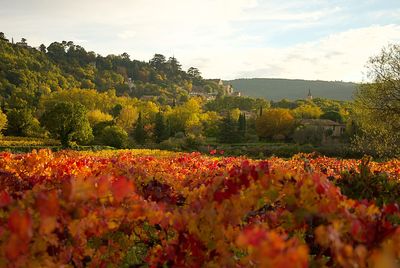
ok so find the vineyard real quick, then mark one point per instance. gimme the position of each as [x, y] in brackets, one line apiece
[162, 209]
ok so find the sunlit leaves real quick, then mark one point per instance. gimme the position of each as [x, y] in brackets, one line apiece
[169, 209]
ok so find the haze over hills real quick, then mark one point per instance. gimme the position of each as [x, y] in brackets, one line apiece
[277, 89]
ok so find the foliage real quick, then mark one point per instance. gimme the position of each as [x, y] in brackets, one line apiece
[97, 116]
[308, 135]
[3, 121]
[139, 132]
[160, 129]
[114, 136]
[228, 130]
[163, 209]
[367, 185]
[333, 115]
[22, 123]
[307, 111]
[226, 103]
[68, 122]
[377, 105]
[127, 118]
[274, 122]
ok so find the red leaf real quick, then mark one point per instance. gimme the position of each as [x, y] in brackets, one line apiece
[20, 224]
[121, 188]
[5, 199]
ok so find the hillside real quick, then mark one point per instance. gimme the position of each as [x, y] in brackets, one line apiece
[27, 74]
[277, 89]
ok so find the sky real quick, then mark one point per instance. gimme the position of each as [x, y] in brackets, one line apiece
[228, 39]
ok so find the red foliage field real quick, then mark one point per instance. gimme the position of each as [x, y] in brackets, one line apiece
[130, 209]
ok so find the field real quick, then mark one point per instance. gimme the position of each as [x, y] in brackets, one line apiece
[144, 208]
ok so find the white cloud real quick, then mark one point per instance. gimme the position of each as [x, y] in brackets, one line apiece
[224, 38]
[340, 56]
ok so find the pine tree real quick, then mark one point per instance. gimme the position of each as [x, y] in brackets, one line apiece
[139, 133]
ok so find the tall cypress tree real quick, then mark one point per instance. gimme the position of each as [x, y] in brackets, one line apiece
[159, 128]
[139, 133]
[242, 128]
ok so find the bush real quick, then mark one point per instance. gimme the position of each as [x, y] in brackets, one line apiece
[114, 136]
[308, 135]
[371, 186]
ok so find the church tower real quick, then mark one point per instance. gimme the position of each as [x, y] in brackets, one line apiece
[309, 96]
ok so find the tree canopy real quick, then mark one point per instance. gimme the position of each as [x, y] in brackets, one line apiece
[68, 121]
[377, 105]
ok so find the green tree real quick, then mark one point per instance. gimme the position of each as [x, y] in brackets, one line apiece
[377, 105]
[242, 126]
[114, 136]
[333, 115]
[21, 123]
[68, 122]
[160, 128]
[139, 133]
[3, 121]
[228, 130]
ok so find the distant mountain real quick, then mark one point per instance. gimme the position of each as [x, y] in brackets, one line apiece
[277, 89]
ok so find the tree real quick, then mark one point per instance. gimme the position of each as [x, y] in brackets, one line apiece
[274, 122]
[21, 123]
[42, 48]
[228, 130]
[139, 134]
[242, 126]
[158, 62]
[3, 121]
[160, 128]
[377, 105]
[127, 118]
[68, 122]
[307, 111]
[97, 116]
[114, 136]
[333, 115]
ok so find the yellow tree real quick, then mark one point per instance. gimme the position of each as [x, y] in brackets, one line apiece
[307, 111]
[127, 118]
[97, 116]
[274, 122]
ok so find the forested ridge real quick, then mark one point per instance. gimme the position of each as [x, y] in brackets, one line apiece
[27, 73]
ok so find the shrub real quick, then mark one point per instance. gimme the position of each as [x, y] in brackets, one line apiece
[114, 136]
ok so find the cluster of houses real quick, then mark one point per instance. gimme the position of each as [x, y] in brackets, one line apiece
[227, 90]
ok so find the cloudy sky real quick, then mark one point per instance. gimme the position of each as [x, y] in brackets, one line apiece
[306, 39]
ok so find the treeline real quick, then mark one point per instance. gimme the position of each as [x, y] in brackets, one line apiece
[63, 91]
[76, 96]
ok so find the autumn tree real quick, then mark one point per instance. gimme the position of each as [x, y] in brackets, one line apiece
[97, 116]
[307, 111]
[274, 122]
[127, 118]
[377, 105]
[68, 122]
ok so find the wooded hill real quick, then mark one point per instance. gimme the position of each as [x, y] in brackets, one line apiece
[27, 73]
[277, 89]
